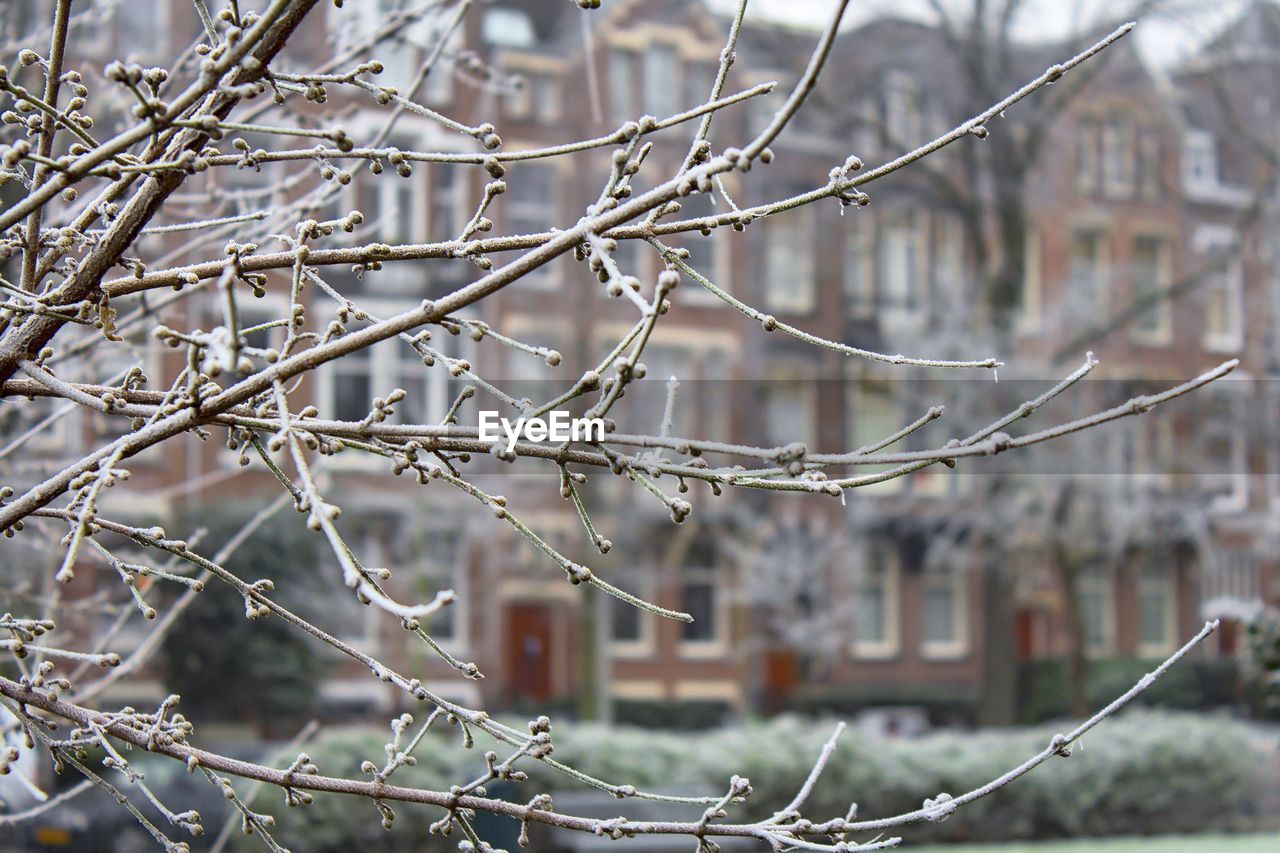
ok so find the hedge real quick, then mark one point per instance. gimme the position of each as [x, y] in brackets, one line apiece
[1043, 692]
[1145, 772]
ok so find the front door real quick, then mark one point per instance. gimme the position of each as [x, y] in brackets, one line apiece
[529, 651]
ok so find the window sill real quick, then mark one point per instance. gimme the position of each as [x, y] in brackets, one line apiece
[702, 649]
[944, 652]
[873, 653]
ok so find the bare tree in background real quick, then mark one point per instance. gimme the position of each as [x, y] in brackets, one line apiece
[102, 168]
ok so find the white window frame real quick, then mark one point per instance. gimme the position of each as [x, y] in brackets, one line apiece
[890, 646]
[1161, 332]
[1207, 240]
[716, 646]
[383, 373]
[694, 293]
[860, 269]
[1168, 586]
[1088, 155]
[158, 11]
[544, 277]
[904, 231]
[857, 395]
[801, 223]
[660, 101]
[786, 377]
[459, 579]
[622, 79]
[1236, 499]
[1102, 584]
[646, 644]
[958, 646]
[903, 113]
[1118, 157]
[1199, 160]
[1101, 273]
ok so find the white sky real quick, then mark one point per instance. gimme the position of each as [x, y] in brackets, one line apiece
[1164, 37]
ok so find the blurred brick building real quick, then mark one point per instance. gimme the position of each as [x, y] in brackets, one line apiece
[1146, 235]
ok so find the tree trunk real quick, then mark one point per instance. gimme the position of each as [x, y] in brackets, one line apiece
[998, 703]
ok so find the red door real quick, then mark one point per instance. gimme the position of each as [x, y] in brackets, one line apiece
[529, 650]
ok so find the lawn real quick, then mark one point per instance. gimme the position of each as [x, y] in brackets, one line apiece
[1180, 844]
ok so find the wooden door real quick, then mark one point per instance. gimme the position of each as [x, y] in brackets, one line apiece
[529, 651]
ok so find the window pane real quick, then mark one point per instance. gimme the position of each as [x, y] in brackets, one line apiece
[871, 625]
[940, 610]
[626, 621]
[621, 86]
[352, 385]
[1149, 267]
[787, 412]
[788, 268]
[871, 603]
[1088, 270]
[660, 81]
[697, 598]
[901, 261]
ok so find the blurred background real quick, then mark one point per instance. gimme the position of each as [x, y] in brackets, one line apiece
[955, 617]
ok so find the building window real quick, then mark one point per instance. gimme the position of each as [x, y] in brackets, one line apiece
[699, 77]
[142, 29]
[789, 410]
[1157, 609]
[1224, 305]
[1152, 270]
[903, 260]
[392, 213]
[876, 605]
[1088, 282]
[1231, 584]
[437, 89]
[392, 209]
[945, 617]
[448, 215]
[626, 622]
[1149, 165]
[445, 223]
[859, 270]
[503, 26]
[622, 92]
[1223, 473]
[1087, 156]
[531, 202]
[902, 113]
[394, 52]
[789, 284]
[1199, 160]
[349, 384]
[700, 597]
[1117, 158]
[1097, 609]
[704, 250]
[648, 396]
[343, 614]
[251, 188]
[433, 555]
[875, 414]
[661, 86]
[630, 628]
[537, 99]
